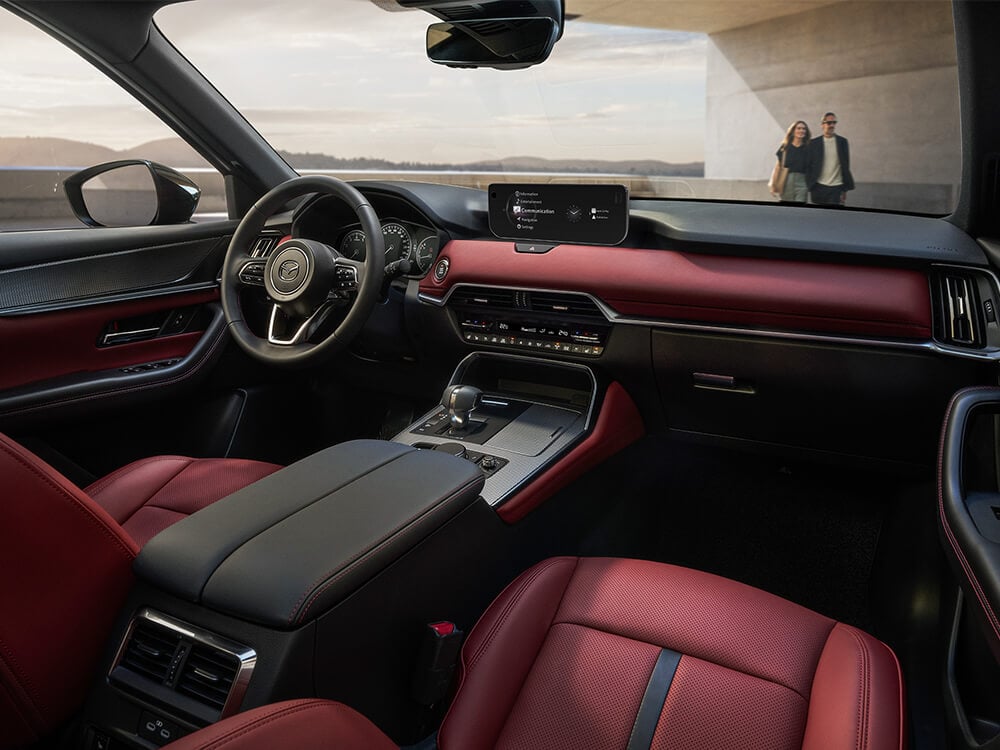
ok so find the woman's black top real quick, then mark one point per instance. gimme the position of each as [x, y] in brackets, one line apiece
[797, 159]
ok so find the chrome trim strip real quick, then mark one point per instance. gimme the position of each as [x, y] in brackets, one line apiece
[614, 317]
[246, 656]
[300, 333]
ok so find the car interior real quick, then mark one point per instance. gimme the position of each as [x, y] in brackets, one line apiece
[529, 460]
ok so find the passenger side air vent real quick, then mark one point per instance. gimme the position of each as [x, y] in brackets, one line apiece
[190, 670]
[208, 675]
[959, 319]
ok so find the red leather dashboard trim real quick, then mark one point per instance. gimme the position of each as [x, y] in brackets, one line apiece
[618, 425]
[671, 285]
[48, 345]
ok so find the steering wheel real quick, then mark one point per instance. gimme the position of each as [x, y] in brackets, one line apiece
[304, 279]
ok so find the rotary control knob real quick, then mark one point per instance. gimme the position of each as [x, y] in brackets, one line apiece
[488, 463]
[455, 449]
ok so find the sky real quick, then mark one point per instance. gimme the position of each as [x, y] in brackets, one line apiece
[346, 78]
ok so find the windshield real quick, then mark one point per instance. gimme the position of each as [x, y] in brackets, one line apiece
[674, 99]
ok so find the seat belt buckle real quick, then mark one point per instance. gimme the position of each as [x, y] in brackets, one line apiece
[436, 662]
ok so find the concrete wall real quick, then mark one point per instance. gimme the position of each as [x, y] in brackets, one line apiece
[887, 69]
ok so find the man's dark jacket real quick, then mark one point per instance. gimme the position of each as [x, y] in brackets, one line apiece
[816, 162]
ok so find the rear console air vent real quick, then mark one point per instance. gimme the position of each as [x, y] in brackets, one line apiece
[964, 304]
[150, 650]
[208, 675]
[183, 667]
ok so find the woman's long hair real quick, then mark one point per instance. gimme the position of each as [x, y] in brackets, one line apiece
[790, 134]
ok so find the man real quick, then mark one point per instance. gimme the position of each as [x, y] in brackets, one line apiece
[829, 174]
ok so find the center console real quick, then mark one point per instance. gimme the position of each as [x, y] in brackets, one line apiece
[525, 413]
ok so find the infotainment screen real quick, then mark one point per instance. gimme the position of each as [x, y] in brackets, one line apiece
[581, 214]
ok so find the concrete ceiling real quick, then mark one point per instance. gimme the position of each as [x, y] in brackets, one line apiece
[708, 16]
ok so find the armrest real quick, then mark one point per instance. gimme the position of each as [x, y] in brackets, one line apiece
[286, 548]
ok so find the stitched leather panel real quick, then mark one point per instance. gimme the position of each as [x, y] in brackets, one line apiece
[65, 569]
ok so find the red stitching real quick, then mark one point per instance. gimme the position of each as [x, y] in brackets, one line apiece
[73, 502]
[102, 484]
[358, 559]
[28, 697]
[180, 377]
[970, 574]
[864, 702]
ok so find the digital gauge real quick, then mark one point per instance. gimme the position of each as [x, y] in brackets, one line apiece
[397, 242]
[423, 256]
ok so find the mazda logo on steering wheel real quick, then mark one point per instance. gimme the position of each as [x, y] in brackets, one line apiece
[289, 270]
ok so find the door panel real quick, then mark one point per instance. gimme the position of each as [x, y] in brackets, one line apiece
[91, 317]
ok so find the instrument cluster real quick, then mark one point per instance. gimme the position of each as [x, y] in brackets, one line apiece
[403, 241]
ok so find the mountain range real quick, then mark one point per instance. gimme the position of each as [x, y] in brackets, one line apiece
[60, 152]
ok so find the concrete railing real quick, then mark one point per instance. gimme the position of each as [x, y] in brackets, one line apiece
[33, 197]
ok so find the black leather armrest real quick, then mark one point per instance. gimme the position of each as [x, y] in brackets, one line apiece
[288, 547]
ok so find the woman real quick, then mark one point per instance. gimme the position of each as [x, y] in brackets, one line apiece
[793, 153]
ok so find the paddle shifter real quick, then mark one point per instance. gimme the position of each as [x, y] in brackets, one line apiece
[460, 401]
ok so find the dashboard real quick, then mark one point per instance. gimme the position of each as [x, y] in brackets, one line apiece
[409, 235]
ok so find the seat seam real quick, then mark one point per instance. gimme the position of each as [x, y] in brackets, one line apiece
[861, 735]
[515, 598]
[100, 485]
[73, 501]
[28, 698]
[158, 490]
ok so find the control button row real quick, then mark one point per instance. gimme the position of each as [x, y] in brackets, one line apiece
[253, 273]
[147, 366]
[551, 346]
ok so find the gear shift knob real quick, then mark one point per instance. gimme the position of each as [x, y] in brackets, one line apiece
[460, 400]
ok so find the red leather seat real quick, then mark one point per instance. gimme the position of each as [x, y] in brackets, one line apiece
[609, 653]
[66, 567]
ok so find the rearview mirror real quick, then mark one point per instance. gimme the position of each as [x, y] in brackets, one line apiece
[502, 43]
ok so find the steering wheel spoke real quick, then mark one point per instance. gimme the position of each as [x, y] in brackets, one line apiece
[290, 330]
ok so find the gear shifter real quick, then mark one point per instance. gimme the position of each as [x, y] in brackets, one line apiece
[460, 401]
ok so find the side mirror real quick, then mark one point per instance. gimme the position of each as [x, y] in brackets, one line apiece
[502, 43]
[131, 193]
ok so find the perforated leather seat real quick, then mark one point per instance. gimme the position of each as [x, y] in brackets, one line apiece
[608, 653]
[66, 567]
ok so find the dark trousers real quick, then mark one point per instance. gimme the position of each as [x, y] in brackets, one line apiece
[827, 196]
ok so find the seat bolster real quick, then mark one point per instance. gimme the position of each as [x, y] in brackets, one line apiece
[299, 724]
[148, 495]
[499, 653]
[65, 569]
[857, 698]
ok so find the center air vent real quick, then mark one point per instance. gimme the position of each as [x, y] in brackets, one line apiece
[553, 303]
[183, 667]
